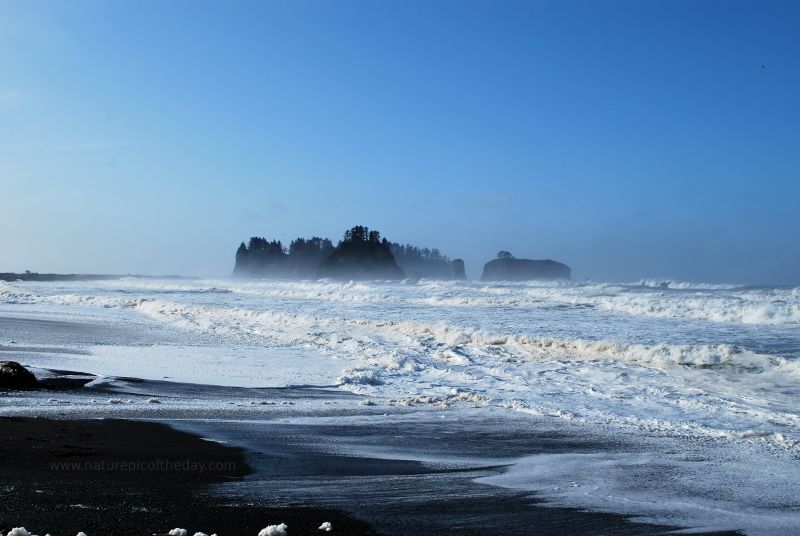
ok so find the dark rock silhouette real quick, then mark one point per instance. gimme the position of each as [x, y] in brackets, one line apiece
[507, 268]
[261, 258]
[271, 259]
[15, 376]
[306, 256]
[457, 269]
[361, 255]
[418, 263]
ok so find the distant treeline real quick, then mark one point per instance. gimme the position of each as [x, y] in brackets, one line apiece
[271, 259]
[361, 254]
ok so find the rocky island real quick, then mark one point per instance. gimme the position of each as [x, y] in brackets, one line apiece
[361, 254]
[508, 268]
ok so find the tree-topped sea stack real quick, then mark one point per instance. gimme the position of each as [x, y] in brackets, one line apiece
[361, 254]
[507, 268]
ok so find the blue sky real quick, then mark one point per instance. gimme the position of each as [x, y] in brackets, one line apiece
[628, 139]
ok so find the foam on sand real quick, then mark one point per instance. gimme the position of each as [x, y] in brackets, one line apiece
[274, 530]
[618, 482]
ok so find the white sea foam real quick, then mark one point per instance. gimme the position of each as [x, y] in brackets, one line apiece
[714, 303]
[619, 482]
[703, 363]
[775, 307]
[274, 530]
[685, 285]
[670, 388]
[387, 340]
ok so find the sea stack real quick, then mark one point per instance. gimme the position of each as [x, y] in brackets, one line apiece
[457, 269]
[508, 268]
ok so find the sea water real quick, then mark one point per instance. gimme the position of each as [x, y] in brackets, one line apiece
[679, 364]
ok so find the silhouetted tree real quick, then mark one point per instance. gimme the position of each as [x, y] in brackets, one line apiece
[241, 254]
[260, 257]
[423, 262]
[504, 255]
[359, 233]
[361, 255]
[306, 255]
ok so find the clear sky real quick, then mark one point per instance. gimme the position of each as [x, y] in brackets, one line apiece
[628, 139]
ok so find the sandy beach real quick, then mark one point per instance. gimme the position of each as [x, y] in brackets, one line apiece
[121, 477]
[131, 477]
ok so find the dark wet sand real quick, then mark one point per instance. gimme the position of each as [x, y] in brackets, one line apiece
[131, 478]
[302, 464]
[137, 478]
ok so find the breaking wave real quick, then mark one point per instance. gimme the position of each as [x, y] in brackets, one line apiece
[743, 305]
[541, 348]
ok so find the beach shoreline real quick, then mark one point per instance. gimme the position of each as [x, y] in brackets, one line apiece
[129, 477]
[379, 426]
[132, 477]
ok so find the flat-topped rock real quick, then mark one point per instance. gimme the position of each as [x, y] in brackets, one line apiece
[510, 269]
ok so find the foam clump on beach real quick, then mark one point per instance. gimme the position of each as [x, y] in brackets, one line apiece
[21, 531]
[327, 527]
[274, 530]
[360, 377]
[178, 532]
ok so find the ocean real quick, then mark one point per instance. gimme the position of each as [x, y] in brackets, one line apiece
[699, 382]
